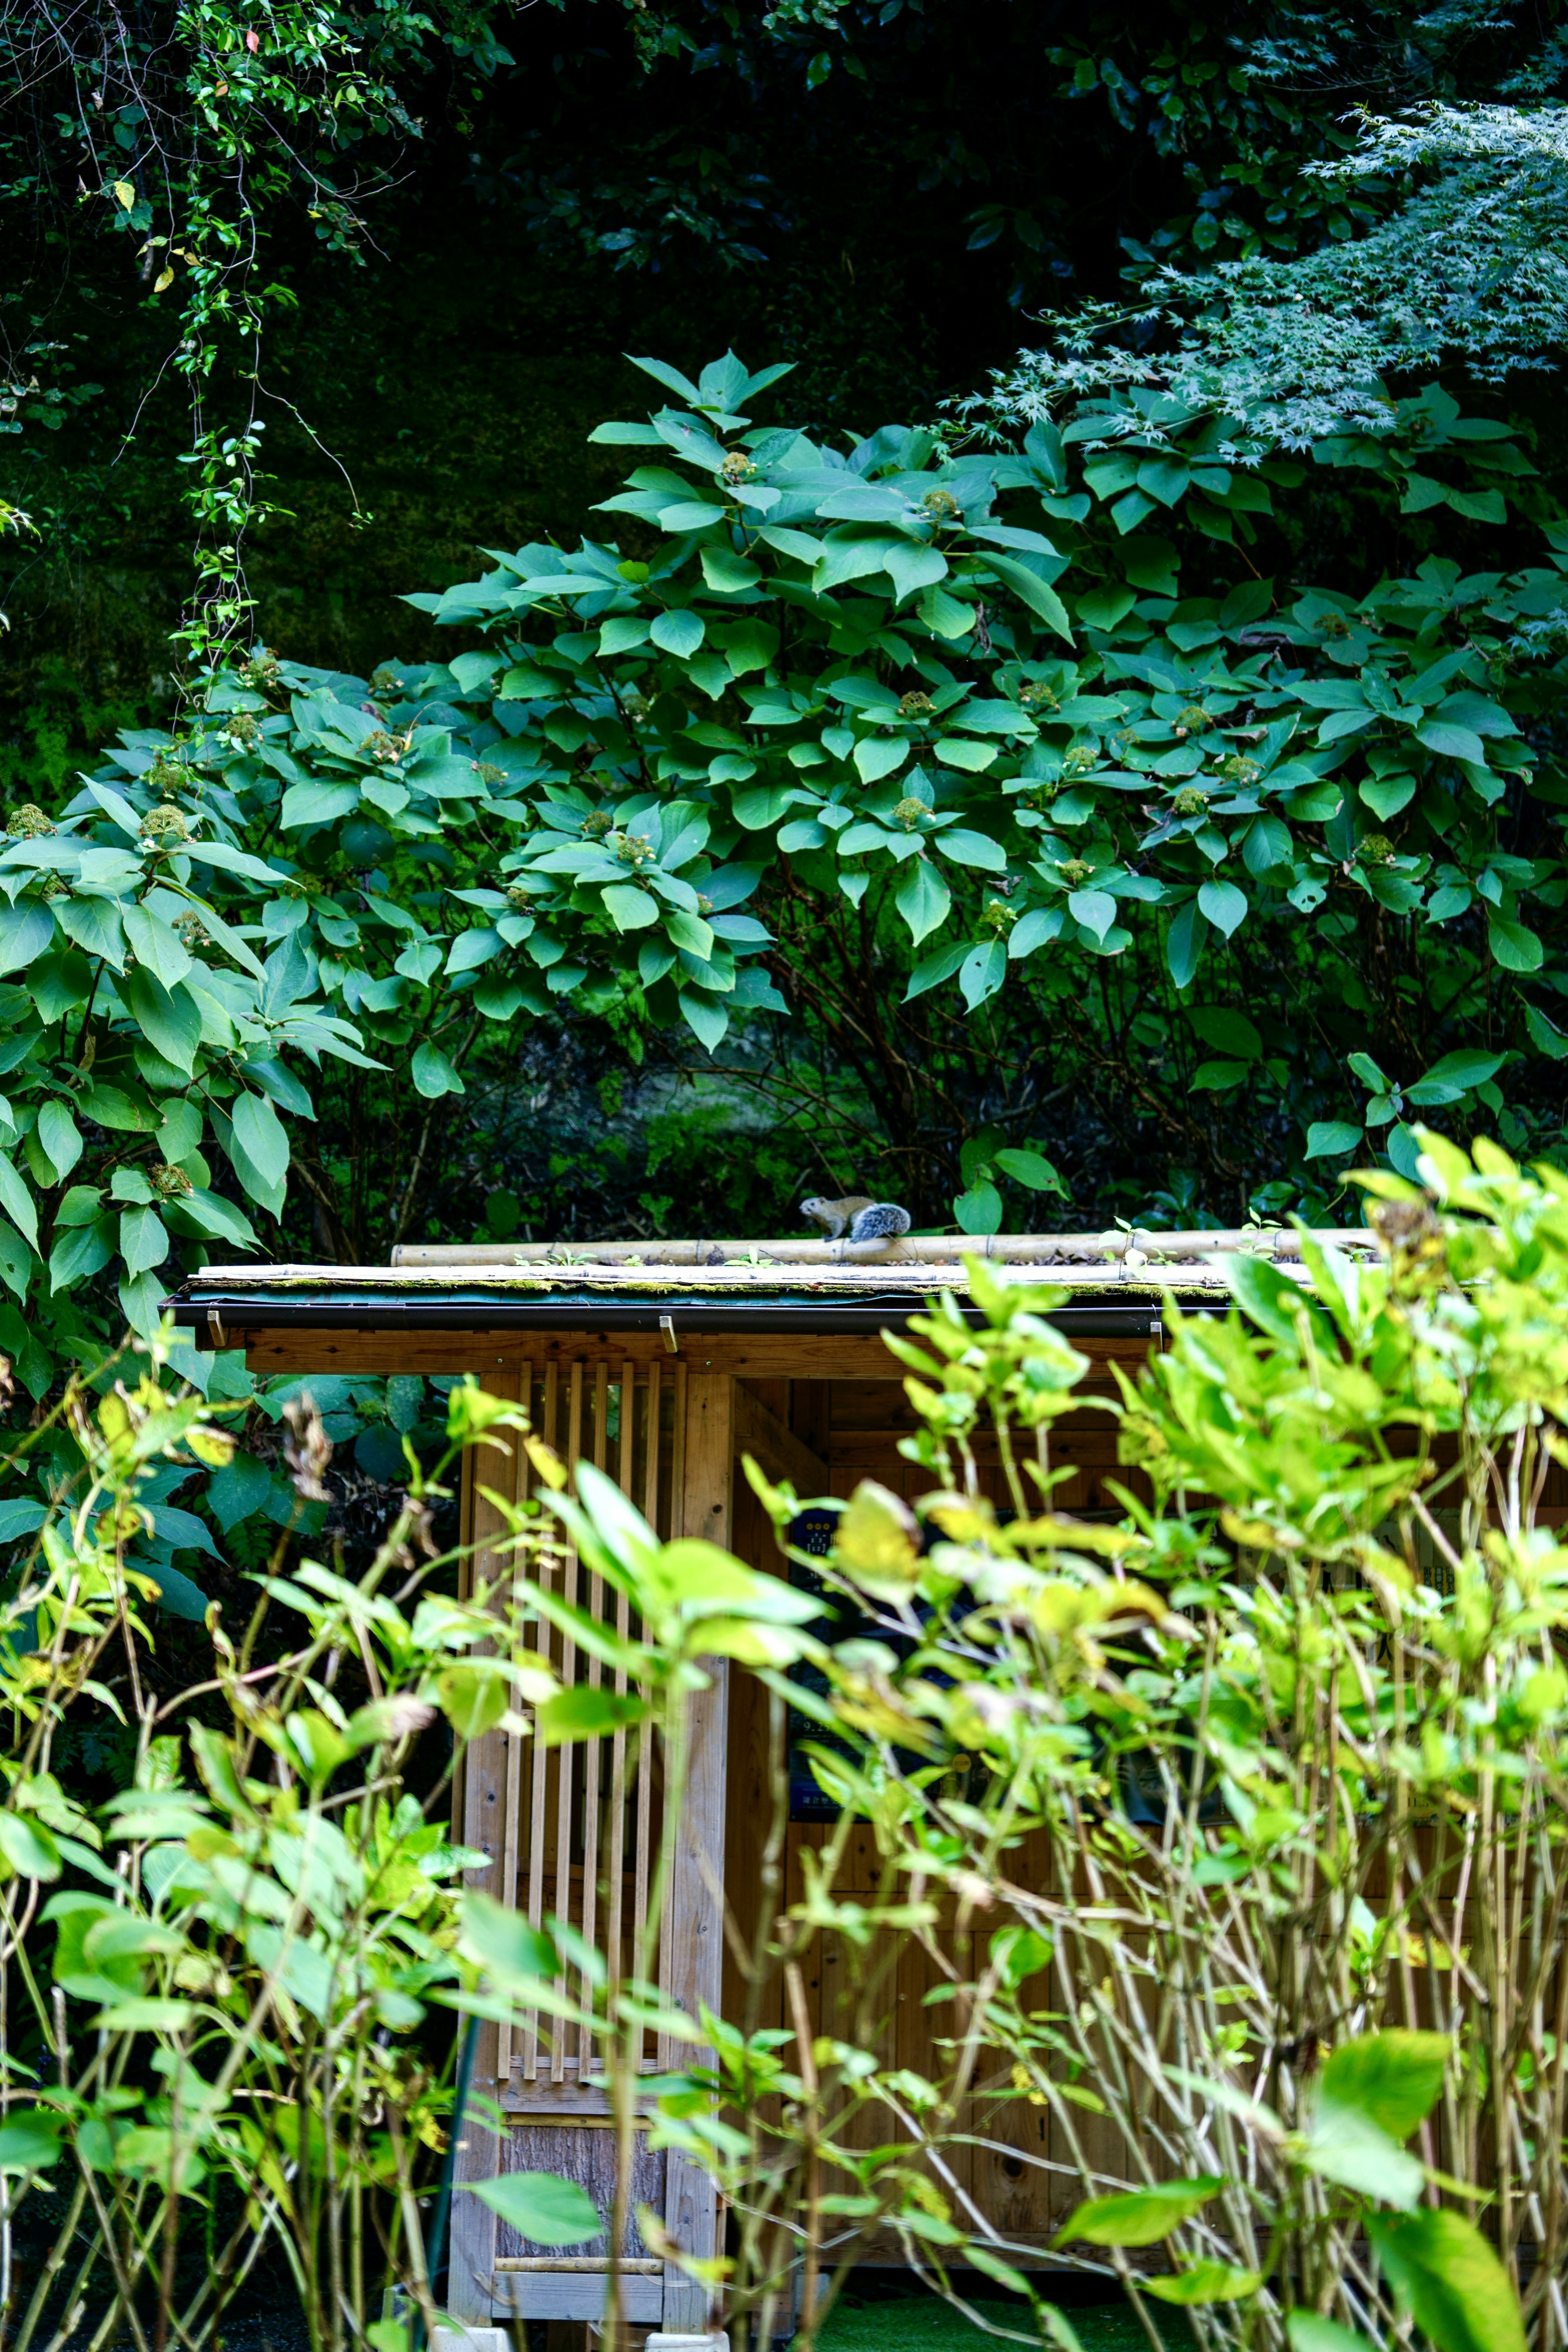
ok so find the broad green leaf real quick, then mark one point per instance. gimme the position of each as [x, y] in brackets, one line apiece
[705, 1020]
[30, 2142]
[170, 1019]
[1030, 1168]
[1450, 2279]
[17, 1202]
[542, 2207]
[979, 1210]
[620, 635]
[1035, 930]
[1031, 591]
[934, 968]
[1142, 2217]
[1270, 1298]
[143, 1239]
[1095, 909]
[261, 1145]
[923, 898]
[959, 751]
[1514, 945]
[587, 1711]
[1451, 742]
[80, 1251]
[156, 944]
[1395, 2078]
[1344, 2146]
[1207, 2282]
[1184, 943]
[1309, 2331]
[316, 805]
[970, 848]
[877, 755]
[60, 1137]
[1386, 795]
[26, 931]
[982, 974]
[114, 1107]
[1327, 1138]
[433, 1074]
[678, 632]
[630, 909]
[1225, 905]
[1468, 1066]
[26, 1846]
[472, 951]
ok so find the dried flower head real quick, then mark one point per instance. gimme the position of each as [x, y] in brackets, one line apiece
[1074, 872]
[307, 1449]
[1376, 849]
[1192, 720]
[1191, 801]
[940, 506]
[518, 897]
[914, 705]
[1079, 760]
[738, 467]
[909, 812]
[489, 775]
[28, 822]
[1238, 768]
[165, 828]
[169, 1182]
[597, 824]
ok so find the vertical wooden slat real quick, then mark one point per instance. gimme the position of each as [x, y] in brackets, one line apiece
[540, 1768]
[507, 1891]
[704, 1497]
[625, 1464]
[470, 2284]
[563, 1761]
[593, 1748]
[644, 1856]
[650, 1462]
[679, 1525]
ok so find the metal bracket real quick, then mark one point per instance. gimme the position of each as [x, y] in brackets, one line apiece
[666, 1325]
[215, 1331]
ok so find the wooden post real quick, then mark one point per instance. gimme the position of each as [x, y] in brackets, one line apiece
[696, 1940]
[470, 2290]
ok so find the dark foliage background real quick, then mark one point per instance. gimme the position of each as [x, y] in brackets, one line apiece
[884, 194]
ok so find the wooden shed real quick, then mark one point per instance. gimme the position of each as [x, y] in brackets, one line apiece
[664, 1363]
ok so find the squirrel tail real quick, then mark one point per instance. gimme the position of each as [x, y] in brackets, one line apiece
[883, 1220]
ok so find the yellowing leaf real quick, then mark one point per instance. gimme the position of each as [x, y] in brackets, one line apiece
[126, 193]
[164, 279]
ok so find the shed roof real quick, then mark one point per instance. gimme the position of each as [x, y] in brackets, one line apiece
[1106, 1282]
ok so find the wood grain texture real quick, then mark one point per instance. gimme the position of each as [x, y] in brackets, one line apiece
[484, 1783]
[760, 1431]
[750, 1355]
[695, 1967]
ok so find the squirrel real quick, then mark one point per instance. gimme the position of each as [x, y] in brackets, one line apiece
[867, 1220]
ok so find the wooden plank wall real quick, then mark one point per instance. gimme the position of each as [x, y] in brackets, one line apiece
[850, 1428]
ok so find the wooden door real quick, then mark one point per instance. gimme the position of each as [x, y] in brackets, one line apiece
[571, 1833]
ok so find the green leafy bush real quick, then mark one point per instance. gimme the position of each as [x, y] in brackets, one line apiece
[1262, 1825]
